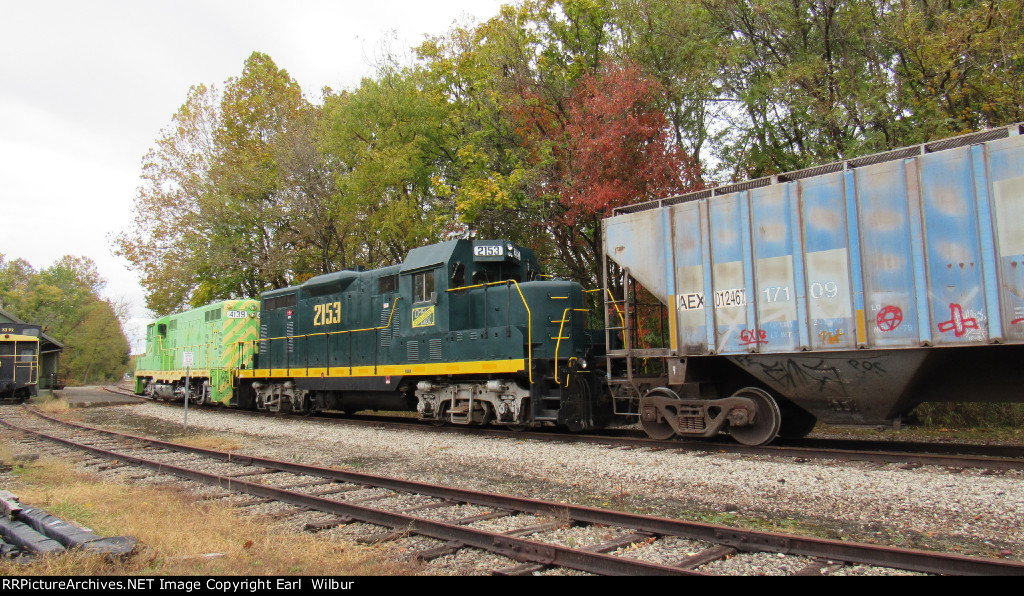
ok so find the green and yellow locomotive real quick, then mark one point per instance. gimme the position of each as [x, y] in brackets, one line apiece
[202, 349]
[464, 332]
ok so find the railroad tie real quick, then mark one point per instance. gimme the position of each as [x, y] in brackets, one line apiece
[617, 543]
[327, 525]
[383, 537]
[475, 518]
[430, 554]
[706, 556]
[438, 505]
[523, 569]
[539, 528]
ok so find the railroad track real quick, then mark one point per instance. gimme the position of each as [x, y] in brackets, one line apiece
[459, 519]
[911, 454]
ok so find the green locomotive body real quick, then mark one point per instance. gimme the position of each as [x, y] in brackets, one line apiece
[465, 331]
[201, 349]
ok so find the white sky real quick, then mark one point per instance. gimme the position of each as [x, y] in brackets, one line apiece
[87, 86]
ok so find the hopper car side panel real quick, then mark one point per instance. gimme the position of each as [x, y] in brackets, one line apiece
[836, 287]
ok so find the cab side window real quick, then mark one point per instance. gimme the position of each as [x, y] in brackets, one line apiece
[422, 286]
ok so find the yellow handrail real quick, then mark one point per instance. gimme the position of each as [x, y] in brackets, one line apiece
[529, 318]
[622, 320]
[558, 344]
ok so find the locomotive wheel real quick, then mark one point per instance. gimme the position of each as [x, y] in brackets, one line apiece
[442, 415]
[655, 428]
[768, 420]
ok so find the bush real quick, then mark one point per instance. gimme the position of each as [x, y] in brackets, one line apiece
[973, 414]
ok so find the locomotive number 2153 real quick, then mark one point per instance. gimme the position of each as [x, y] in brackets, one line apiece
[327, 314]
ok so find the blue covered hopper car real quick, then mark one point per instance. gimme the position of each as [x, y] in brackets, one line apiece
[848, 293]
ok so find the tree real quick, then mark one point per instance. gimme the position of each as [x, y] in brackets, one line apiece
[618, 152]
[390, 142]
[557, 128]
[96, 349]
[220, 214]
[167, 239]
[674, 42]
[809, 80]
[244, 210]
[960, 64]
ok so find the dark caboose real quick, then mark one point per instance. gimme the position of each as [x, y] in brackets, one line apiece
[19, 360]
[465, 332]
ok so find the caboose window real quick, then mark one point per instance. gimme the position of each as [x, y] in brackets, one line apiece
[422, 286]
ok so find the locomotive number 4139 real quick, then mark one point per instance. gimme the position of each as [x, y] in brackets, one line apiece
[327, 314]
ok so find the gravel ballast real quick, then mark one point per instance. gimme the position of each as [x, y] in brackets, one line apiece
[967, 511]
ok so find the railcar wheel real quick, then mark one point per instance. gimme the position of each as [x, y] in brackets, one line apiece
[768, 419]
[797, 423]
[650, 417]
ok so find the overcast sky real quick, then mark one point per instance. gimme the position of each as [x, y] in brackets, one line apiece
[87, 86]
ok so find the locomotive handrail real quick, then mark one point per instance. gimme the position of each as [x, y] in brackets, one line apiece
[558, 344]
[529, 318]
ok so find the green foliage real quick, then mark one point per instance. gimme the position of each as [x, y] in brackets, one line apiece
[392, 141]
[966, 415]
[228, 190]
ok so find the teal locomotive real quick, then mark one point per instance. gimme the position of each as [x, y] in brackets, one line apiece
[463, 332]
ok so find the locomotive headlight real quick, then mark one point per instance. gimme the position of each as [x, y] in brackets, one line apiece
[583, 363]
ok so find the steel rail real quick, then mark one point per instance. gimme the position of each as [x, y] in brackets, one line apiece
[740, 539]
[510, 546]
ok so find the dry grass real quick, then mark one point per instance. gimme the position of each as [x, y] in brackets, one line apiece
[178, 534]
[53, 405]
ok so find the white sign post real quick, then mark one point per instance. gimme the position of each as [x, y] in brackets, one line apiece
[187, 360]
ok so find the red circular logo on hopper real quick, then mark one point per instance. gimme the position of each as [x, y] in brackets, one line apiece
[889, 318]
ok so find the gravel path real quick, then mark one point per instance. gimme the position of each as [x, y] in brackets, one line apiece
[971, 511]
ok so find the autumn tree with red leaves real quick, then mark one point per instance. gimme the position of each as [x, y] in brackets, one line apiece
[618, 151]
[619, 145]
